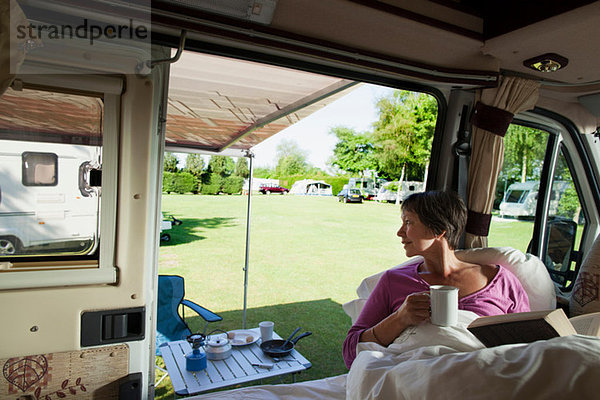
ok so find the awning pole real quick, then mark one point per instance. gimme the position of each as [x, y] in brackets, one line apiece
[250, 157]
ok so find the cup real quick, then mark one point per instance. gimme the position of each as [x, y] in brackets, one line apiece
[266, 330]
[444, 305]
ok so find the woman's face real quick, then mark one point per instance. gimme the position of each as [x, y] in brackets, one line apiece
[416, 237]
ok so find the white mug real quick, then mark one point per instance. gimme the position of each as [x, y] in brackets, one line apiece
[266, 330]
[444, 305]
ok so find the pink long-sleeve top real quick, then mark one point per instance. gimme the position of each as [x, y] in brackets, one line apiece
[503, 295]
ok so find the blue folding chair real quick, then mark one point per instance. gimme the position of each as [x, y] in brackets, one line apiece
[171, 326]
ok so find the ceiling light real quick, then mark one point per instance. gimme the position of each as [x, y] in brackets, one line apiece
[549, 62]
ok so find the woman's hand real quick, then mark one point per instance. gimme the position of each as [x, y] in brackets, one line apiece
[415, 309]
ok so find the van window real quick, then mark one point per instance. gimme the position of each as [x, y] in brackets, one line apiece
[514, 196]
[49, 143]
[517, 200]
[39, 169]
[517, 188]
[567, 222]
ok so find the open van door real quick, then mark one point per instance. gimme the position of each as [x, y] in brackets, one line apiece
[81, 144]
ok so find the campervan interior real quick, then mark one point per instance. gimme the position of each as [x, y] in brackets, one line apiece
[121, 82]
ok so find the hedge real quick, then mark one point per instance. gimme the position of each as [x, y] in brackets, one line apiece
[232, 184]
[337, 182]
[217, 184]
[179, 182]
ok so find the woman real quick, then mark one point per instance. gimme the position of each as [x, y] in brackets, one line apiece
[432, 224]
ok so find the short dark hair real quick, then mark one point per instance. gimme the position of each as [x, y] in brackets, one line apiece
[439, 211]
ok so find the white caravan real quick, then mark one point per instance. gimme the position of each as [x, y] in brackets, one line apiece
[389, 191]
[520, 199]
[46, 200]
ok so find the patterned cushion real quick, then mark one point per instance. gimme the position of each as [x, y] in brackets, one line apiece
[585, 297]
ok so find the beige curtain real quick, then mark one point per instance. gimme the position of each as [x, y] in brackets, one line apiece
[513, 95]
[11, 54]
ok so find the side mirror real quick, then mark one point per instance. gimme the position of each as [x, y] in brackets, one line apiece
[560, 250]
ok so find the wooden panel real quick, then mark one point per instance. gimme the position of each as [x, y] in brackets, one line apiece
[83, 374]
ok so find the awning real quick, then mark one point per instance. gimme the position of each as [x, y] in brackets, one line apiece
[214, 103]
[217, 103]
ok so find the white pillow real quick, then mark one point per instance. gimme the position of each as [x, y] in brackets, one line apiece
[354, 307]
[530, 270]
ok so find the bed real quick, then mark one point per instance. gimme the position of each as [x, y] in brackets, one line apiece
[434, 362]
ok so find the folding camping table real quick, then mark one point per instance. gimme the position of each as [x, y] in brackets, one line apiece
[234, 370]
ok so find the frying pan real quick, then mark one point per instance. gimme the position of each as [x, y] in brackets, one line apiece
[279, 347]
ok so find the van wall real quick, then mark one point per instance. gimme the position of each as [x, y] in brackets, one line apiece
[46, 320]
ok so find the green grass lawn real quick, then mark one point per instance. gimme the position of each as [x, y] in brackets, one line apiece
[307, 256]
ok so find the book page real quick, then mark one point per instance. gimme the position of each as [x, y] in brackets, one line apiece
[514, 332]
[587, 324]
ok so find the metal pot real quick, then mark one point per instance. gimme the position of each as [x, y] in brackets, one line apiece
[218, 347]
[280, 348]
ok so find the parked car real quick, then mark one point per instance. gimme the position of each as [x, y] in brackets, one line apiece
[367, 187]
[368, 194]
[268, 189]
[351, 195]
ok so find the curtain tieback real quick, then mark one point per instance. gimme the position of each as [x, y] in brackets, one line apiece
[478, 223]
[491, 119]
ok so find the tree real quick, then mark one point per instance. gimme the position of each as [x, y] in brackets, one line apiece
[354, 151]
[403, 134]
[194, 164]
[221, 165]
[262, 172]
[569, 205]
[170, 164]
[523, 152]
[241, 168]
[291, 159]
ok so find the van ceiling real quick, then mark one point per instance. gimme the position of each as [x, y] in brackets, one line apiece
[464, 37]
[440, 42]
[503, 16]
[497, 16]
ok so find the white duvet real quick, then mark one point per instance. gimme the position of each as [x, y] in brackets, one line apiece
[430, 362]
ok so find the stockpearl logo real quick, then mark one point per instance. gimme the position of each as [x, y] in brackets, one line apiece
[49, 37]
[85, 30]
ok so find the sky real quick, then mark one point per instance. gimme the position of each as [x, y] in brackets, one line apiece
[355, 110]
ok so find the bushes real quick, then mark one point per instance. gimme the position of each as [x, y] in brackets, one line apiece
[215, 183]
[179, 182]
[168, 182]
[233, 184]
[218, 184]
[337, 183]
[184, 182]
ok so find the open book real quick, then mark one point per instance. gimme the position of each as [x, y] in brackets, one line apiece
[528, 327]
